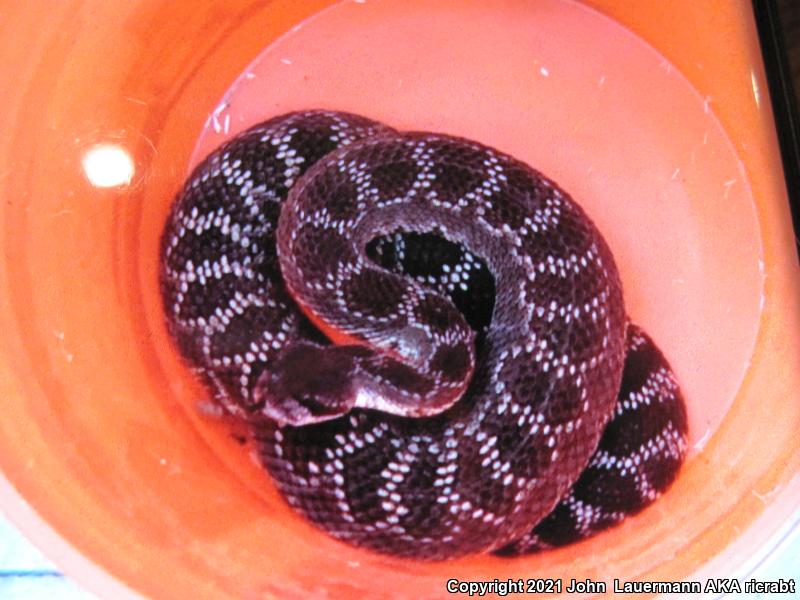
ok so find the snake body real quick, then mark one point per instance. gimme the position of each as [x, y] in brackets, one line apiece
[426, 336]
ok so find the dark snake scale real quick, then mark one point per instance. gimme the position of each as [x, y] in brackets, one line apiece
[426, 337]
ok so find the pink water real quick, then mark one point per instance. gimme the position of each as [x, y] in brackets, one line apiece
[579, 98]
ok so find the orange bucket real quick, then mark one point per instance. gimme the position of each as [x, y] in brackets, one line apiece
[106, 463]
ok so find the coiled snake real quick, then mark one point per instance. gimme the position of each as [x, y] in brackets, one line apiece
[426, 336]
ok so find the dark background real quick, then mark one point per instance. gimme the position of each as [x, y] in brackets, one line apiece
[785, 106]
[790, 20]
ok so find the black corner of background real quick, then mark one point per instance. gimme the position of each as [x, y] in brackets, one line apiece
[778, 24]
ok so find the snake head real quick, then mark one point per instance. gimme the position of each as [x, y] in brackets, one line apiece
[308, 383]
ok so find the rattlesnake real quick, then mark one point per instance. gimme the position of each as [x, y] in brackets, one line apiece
[426, 337]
